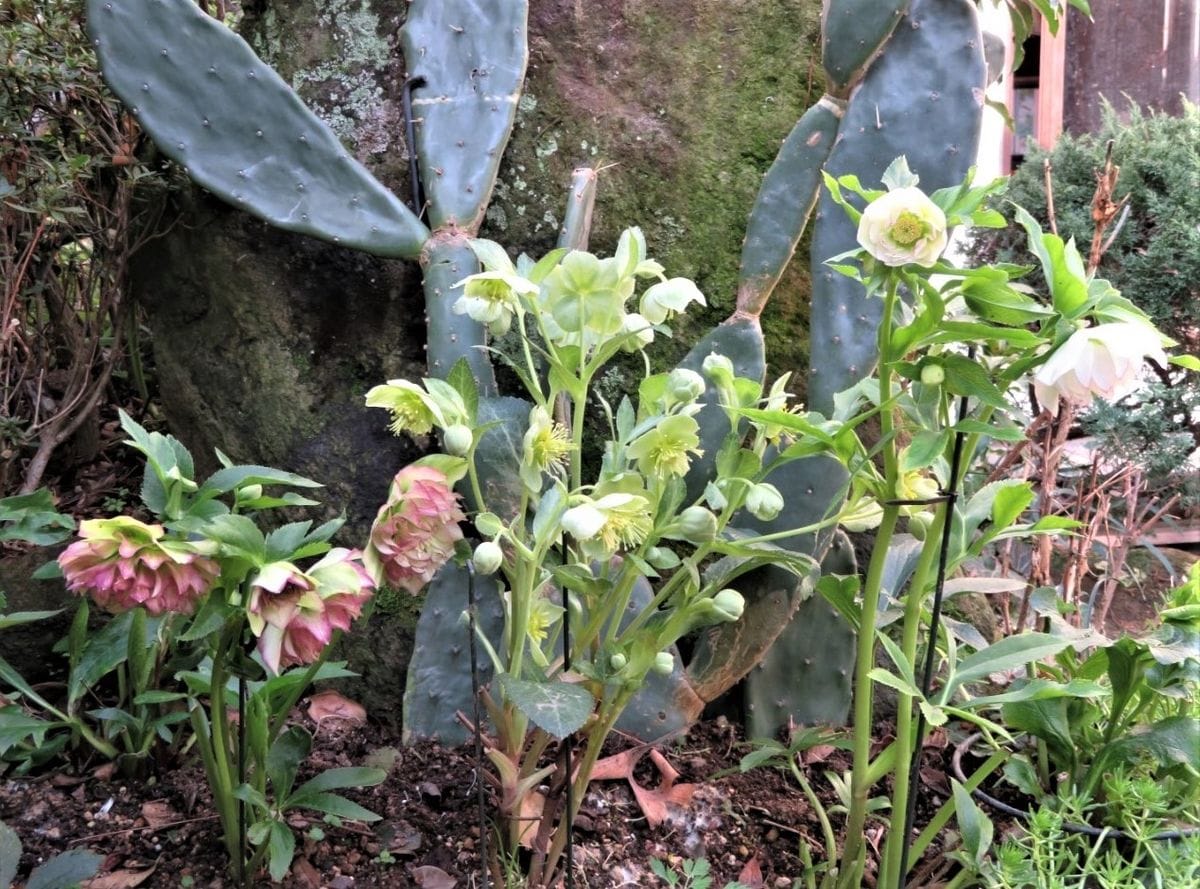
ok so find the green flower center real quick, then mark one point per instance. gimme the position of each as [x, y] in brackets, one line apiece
[908, 229]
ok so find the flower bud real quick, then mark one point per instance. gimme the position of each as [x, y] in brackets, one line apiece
[728, 605]
[697, 525]
[458, 440]
[764, 501]
[918, 524]
[685, 385]
[488, 557]
[933, 374]
[718, 368]
[617, 662]
[489, 524]
[247, 493]
[664, 663]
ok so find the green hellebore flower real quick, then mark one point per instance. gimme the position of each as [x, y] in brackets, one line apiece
[696, 525]
[664, 663]
[764, 501]
[586, 294]
[664, 449]
[488, 557]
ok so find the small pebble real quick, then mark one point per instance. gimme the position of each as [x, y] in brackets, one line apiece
[772, 835]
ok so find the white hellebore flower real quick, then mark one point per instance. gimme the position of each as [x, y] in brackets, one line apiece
[903, 227]
[668, 298]
[492, 298]
[1104, 360]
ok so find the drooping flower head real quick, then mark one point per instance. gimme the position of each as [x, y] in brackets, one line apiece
[412, 410]
[667, 448]
[416, 529]
[492, 298]
[903, 226]
[294, 613]
[613, 521]
[122, 563]
[1104, 360]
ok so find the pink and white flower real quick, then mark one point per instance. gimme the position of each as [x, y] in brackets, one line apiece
[1105, 360]
[294, 613]
[123, 563]
[416, 529]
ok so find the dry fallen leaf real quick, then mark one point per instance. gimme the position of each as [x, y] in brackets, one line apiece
[158, 813]
[331, 705]
[654, 802]
[119, 879]
[305, 874]
[430, 877]
[532, 805]
[751, 876]
[104, 772]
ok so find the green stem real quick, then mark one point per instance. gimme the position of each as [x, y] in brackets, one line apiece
[294, 695]
[854, 851]
[905, 740]
[817, 807]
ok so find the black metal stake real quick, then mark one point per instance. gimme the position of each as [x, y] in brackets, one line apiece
[241, 768]
[950, 497]
[566, 745]
[476, 718]
[410, 136]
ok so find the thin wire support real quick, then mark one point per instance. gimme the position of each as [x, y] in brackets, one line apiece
[950, 497]
[476, 719]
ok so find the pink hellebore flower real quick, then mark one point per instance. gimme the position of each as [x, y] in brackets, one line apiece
[416, 529]
[294, 613]
[1104, 360]
[122, 563]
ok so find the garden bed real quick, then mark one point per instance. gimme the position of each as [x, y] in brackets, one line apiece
[161, 832]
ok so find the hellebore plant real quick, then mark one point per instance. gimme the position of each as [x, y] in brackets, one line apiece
[952, 343]
[206, 564]
[570, 556]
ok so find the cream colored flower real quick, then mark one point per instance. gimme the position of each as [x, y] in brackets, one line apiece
[902, 227]
[492, 298]
[861, 514]
[1105, 360]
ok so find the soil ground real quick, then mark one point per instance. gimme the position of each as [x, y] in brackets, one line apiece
[161, 832]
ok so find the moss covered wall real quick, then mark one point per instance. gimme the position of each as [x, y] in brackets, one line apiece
[265, 342]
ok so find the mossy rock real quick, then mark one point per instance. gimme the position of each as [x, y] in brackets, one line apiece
[266, 342]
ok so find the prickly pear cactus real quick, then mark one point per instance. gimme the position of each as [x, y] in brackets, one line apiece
[210, 104]
[921, 98]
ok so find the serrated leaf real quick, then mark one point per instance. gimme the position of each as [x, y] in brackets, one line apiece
[463, 380]
[556, 707]
[282, 849]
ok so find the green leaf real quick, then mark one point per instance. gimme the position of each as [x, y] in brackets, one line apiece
[284, 759]
[339, 779]
[331, 804]
[556, 707]
[926, 446]
[1188, 362]
[16, 726]
[883, 677]
[282, 849]
[24, 617]
[970, 378]
[10, 854]
[65, 870]
[976, 828]
[999, 433]
[998, 301]
[1010, 502]
[462, 378]
[103, 652]
[1174, 740]
[239, 534]
[225, 480]
[1007, 654]
[1019, 772]
[33, 518]
[1068, 284]
[158, 697]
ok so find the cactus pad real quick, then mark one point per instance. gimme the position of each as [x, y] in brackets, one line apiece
[213, 106]
[852, 33]
[921, 98]
[471, 55]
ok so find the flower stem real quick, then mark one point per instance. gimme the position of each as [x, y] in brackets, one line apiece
[860, 785]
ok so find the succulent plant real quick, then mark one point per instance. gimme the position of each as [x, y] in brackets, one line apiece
[901, 80]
